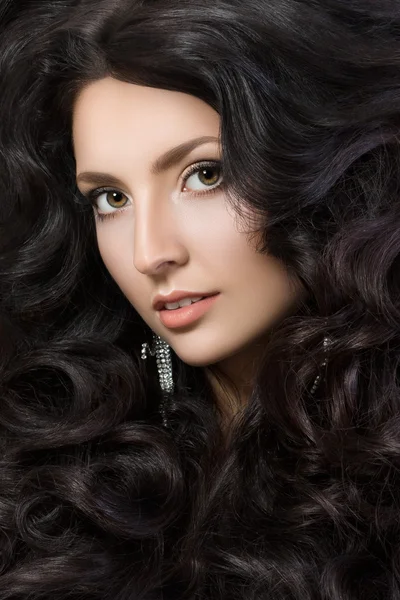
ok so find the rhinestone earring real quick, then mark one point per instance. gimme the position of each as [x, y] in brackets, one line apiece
[317, 380]
[162, 351]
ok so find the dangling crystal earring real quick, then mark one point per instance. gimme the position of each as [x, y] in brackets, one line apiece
[162, 352]
[317, 380]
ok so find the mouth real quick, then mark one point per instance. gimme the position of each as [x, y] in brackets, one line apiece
[179, 299]
[183, 303]
[182, 316]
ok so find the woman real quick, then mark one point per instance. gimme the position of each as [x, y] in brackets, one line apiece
[244, 156]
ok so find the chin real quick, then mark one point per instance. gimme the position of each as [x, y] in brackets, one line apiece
[203, 359]
[195, 361]
[199, 359]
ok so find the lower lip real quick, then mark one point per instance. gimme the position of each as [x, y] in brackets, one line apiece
[180, 317]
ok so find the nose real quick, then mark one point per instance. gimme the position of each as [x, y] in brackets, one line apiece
[157, 242]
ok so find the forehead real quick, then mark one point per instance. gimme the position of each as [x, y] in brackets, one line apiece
[110, 108]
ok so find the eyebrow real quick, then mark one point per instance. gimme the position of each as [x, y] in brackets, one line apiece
[169, 159]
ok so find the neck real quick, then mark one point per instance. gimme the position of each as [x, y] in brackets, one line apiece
[232, 381]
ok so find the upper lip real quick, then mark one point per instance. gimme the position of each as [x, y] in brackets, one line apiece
[160, 300]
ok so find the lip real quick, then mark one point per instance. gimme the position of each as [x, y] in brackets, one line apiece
[181, 317]
[160, 300]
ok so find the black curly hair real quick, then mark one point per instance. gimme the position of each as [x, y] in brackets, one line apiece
[97, 500]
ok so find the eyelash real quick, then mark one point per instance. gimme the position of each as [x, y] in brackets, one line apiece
[94, 194]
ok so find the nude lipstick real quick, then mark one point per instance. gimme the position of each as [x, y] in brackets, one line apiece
[183, 316]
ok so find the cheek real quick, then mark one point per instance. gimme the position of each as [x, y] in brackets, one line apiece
[234, 251]
[213, 233]
[227, 241]
[110, 248]
[117, 257]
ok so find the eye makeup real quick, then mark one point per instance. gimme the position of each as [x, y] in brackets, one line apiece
[92, 196]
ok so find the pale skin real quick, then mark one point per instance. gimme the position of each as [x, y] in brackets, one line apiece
[160, 237]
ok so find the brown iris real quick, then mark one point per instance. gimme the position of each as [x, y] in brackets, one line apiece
[206, 175]
[115, 197]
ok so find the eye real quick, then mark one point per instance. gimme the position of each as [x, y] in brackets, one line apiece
[107, 201]
[202, 177]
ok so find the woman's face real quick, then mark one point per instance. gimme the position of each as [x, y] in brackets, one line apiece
[168, 226]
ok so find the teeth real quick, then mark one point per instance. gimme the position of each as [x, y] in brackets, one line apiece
[181, 303]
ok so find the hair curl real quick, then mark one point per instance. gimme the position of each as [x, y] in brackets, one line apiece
[97, 500]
